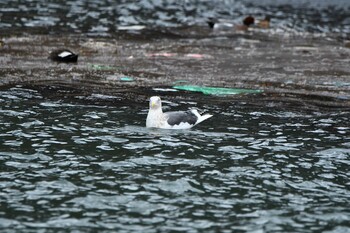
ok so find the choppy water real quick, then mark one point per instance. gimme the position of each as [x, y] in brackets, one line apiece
[86, 167]
[104, 17]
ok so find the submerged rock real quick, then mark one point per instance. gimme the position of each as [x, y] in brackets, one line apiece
[63, 55]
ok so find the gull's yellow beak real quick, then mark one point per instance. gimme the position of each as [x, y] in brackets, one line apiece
[153, 104]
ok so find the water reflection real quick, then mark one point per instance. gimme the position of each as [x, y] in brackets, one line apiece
[95, 167]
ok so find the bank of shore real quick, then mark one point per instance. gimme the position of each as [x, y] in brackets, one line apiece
[295, 68]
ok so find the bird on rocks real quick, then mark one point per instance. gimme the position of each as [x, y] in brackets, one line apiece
[172, 120]
[264, 23]
[63, 55]
[223, 25]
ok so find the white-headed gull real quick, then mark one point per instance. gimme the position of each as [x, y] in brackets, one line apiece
[172, 120]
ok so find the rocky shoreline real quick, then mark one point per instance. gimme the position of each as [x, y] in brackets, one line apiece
[300, 69]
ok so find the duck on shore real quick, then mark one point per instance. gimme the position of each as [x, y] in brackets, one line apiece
[227, 25]
[264, 23]
[247, 22]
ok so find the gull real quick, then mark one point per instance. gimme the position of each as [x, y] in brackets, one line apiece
[172, 120]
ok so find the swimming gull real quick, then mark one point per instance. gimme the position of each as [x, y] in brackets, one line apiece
[172, 120]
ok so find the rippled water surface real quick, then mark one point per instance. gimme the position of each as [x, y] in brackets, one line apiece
[91, 167]
[105, 16]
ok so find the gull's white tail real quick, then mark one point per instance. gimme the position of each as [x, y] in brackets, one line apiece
[201, 117]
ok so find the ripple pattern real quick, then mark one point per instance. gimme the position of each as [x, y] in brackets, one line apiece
[105, 16]
[97, 168]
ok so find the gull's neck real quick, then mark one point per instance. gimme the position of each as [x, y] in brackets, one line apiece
[155, 117]
[156, 111]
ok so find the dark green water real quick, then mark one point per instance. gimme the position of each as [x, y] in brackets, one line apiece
[89, 168]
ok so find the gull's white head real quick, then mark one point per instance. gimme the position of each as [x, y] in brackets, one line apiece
[155, 102]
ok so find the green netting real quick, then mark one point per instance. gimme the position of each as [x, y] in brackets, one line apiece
[216, 90]
[126, 79]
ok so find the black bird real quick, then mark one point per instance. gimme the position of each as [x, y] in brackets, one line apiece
[63, 55]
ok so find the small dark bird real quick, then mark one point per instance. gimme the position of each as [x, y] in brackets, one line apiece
[211, 22]
[248, 21]
[265, 23]
[63, 55]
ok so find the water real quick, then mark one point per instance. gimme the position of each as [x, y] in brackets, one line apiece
[87, 167]
[102, 18]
